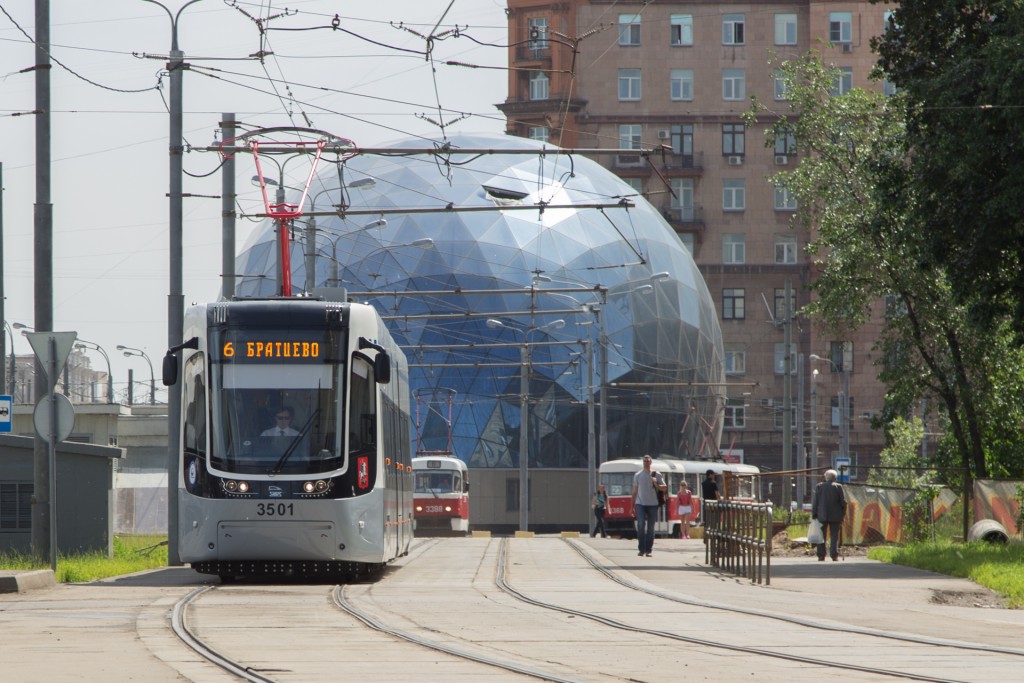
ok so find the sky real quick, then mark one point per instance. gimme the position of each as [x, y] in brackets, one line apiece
[368, 81]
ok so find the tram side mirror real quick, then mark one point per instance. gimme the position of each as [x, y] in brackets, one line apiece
[382, 368]
[170, 365]
[170, 370]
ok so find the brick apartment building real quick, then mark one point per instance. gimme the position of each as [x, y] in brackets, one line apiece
[676, 77]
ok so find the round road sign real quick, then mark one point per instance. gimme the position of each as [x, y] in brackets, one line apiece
[65, 417]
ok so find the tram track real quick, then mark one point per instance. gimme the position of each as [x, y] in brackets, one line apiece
[788, 618]
[831, 664]
[179, 624]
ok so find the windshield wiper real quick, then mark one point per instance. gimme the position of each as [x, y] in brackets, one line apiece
[295, 443]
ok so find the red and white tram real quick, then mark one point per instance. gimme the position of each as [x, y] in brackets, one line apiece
[441, 495]
[736, 481]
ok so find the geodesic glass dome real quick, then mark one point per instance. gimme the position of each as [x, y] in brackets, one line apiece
[488, 294]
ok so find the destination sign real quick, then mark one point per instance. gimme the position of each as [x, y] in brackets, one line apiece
[267, 349]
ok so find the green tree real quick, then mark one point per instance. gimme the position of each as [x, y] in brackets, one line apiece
[867, 222]
[958, 66]
[903, 451]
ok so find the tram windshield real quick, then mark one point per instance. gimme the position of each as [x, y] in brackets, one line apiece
[277, 401]
[438, 482]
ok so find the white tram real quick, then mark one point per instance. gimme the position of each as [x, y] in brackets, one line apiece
[441, 505]
[737, 481]
[295, 439]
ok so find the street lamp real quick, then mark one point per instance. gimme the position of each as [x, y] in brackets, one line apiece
[10, 374]
[844, 402]
[83, 344]
[128, 353]
[524, 408]
[333, 238]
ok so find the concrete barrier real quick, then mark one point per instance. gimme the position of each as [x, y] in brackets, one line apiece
[988, 530]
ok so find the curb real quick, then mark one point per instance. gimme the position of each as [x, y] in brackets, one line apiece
[24, 581]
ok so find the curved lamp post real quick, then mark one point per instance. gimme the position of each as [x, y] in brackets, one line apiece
[524, 409]
[128, 353]
[83, 344]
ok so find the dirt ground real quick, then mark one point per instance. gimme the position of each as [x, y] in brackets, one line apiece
[783, 546]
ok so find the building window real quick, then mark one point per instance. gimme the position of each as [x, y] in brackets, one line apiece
[682, 198]
[636, 183]
[681, 29]
[837, 412]
[733, 84]
[895, 306]
[687, 239]
[682, 139]
[735, 415]
[16, 506]
[780, 359]
[836, 355]
[734, 194]
[681, 85]
[779, 414]
[539, 133]
[784, 201]
[785, 143]
[735, 362]
[733, 301]
[780, 303]
[539, 86]
[785, 29]
[629, 84]
[732, 29]
[844, 82]
[733, 138]
[537, 29]
[734, 249]
[785, 250]
[781, 93]
[629, 138]
[840, 27]
[629, 29]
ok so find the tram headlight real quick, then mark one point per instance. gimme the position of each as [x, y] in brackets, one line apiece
[419, 508]
[243, 487]
[231, 485]
[320, 485]
[447, 508]
[308, 487]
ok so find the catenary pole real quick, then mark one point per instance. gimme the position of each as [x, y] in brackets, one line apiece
[227, 209]
[43, 264]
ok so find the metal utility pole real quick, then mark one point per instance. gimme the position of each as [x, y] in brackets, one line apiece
[844, 404]
[175, 296]
[43, 264]
[227, 211]
[787, 398]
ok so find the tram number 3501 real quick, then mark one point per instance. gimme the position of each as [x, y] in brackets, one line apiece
[275, 509]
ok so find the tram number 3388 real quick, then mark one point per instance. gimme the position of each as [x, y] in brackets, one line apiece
[275, 509]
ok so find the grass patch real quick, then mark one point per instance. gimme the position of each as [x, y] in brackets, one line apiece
[131, 554]
[993, 565]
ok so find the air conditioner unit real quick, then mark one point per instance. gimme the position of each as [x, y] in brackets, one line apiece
[735, 161]
[847, 47]
[781, 159]
[664, 134]
[767, 402]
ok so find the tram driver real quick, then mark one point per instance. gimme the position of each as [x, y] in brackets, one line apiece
[282, 423]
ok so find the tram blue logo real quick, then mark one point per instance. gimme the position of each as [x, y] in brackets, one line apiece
[275, 492]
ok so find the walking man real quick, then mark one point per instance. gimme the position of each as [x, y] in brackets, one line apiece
[829, 507]
[646, 484]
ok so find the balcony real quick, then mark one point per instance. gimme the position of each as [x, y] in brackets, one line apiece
[685, 218]
[533, 55]
[670, 161]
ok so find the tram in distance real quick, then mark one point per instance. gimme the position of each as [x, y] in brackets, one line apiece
[295, 454]
[441, 505]
[737, 481]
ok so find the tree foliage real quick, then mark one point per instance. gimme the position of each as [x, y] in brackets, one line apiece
[958, 66]
[868, 218]
[900, 460]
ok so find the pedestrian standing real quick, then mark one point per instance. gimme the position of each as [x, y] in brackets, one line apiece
[600, 502]
[684, 500]
[828, 506]
[646, 484]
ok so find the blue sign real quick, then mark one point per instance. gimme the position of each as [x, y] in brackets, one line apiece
[6, 413]
[842, 466]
